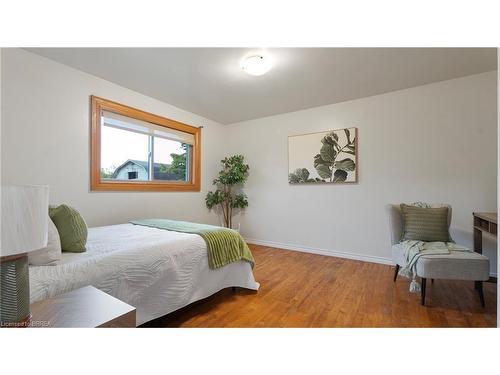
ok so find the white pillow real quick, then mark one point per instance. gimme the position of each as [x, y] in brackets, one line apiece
[49, 255]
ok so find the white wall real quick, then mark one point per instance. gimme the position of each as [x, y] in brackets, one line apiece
[433, 143]
[45, 140]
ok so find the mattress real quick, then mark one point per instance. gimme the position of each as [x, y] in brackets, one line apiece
[155, 270]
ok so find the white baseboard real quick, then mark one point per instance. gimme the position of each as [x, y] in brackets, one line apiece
[338, 254]
[315, 250]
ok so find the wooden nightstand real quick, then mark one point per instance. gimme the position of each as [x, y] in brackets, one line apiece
[86, 307]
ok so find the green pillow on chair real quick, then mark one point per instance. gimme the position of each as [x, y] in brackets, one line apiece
[425, 224]
[71, 227]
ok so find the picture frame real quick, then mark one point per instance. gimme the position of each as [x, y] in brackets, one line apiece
[323, 157]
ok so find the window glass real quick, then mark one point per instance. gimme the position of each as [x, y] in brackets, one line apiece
[171, 160]
[124, 154]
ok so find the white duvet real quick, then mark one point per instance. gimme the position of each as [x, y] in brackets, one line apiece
[155, 270]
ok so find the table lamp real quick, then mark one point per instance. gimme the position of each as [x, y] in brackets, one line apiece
[24, 229]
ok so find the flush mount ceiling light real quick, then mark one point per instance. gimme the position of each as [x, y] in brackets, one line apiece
[256, 65]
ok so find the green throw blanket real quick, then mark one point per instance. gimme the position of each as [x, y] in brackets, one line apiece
[413, 250]
[224, 245]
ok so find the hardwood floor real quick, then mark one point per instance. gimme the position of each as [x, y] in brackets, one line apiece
[307, 290]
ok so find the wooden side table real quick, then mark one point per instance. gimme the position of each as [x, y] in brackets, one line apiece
[86, 307]
[484, 222]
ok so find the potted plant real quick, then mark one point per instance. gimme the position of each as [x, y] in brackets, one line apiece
[226, 197]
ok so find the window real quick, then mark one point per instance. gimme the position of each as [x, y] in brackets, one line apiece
[136, 150]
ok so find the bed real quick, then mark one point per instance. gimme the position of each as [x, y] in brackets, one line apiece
[157, 271]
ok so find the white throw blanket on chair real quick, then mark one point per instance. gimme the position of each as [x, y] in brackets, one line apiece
[413, 250]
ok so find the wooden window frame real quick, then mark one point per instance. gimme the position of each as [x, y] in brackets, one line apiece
[97, 184]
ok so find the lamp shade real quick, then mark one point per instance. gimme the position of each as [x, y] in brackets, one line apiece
[24, 218]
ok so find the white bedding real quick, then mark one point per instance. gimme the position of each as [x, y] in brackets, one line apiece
[155, 270]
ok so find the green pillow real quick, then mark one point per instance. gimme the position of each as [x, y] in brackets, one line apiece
[425, 224]
[71, 227]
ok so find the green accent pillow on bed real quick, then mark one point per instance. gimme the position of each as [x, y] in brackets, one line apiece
[425, 224]
[71, 227]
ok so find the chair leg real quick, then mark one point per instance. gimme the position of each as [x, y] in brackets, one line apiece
[432, 281]
[396, 270]
[479, 287]
[423, 291]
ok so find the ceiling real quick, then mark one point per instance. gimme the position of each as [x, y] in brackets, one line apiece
[210, 83]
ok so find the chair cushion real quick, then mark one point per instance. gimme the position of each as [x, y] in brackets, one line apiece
[425, 224]
[458, 265]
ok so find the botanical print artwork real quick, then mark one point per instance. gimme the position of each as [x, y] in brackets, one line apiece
[323, 157]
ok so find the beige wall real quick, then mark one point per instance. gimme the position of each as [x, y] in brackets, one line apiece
[433, 143]
[45, 140]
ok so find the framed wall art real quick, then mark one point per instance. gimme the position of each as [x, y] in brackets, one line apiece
[324, 157]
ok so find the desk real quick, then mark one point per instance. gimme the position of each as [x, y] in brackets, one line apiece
[484, 222]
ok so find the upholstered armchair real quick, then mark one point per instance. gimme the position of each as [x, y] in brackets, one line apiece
[458, 265]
